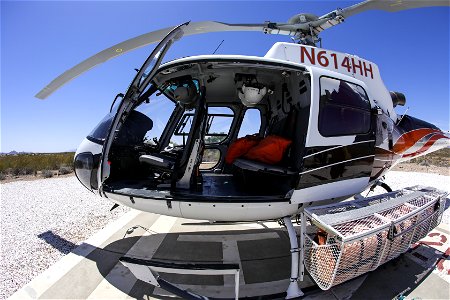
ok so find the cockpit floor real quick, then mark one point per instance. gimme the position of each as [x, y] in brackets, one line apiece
[221, 186]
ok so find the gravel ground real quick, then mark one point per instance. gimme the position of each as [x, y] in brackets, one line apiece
[414, 167]
[62, 212]
[36, 213]
[398, 180]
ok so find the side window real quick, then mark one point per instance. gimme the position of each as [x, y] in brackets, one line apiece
[183, 128]
[251, 122]
[210, 158]
[218, 124]
[344, 108]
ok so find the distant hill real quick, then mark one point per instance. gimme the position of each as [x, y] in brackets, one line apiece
[33, 153]
[15, 153]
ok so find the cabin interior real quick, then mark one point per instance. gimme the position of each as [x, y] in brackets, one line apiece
[198, 135]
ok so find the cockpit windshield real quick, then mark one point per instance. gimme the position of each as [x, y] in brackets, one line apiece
[159, 110]
[99, 133]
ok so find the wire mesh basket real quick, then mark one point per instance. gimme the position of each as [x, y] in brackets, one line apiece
[347, 239]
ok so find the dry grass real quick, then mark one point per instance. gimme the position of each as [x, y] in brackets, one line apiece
[27, 164]
[440, 158]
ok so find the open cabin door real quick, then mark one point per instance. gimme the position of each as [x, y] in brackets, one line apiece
[341, 141]
[139, 86]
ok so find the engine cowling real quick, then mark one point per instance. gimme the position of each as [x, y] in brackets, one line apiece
[398, 98]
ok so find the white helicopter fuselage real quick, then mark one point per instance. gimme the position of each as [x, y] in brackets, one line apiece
[318, 63]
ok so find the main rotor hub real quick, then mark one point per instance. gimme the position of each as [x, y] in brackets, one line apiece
[302, 18]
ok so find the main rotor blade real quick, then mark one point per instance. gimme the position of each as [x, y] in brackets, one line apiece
[337, 16]
[137, 42]
[390, 5]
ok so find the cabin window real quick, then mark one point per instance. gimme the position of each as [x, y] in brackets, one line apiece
[251, 123]
[218, 124]
[210, 158]
[344, 108]
[180, 136]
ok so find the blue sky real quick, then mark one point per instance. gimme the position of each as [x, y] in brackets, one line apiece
[40, 40]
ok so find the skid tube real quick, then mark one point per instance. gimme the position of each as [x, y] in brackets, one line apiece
[293, 290]
[147, 271]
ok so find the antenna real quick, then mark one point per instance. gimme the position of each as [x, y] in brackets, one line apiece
[218, 46]
[402, 116]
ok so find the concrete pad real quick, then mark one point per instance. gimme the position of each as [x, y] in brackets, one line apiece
[93, 271]
[432, 287]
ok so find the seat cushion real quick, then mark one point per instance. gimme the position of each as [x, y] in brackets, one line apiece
[240, 147]
[270, 150]
[156, 160]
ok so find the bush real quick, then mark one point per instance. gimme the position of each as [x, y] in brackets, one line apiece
[63, 170]
[27, 171]
[424, 163]
[29, 163]
[47, 173]
[15, 171]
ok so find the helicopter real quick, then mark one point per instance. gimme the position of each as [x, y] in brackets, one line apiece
[326, 128]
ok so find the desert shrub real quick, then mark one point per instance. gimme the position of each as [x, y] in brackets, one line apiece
[15, 171]
[63, 170]
[27, 171]
[20, 171]
[424, 163]
[47, 173]
[31, 163]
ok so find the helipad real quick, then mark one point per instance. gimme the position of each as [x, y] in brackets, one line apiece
[93, 270]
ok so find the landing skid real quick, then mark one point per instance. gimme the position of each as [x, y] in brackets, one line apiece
[293, 290]
[377, 229]
[147, 271]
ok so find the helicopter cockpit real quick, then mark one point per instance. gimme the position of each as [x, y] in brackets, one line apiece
[187, 137]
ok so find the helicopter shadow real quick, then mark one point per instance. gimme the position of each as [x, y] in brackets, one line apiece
[262, 261]
[263, 254]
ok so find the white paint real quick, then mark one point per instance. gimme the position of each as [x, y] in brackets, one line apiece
[237, 211]
[293, 290]
[330, 190]
[230, 253]
[116, 285]
[120, 276]
[148, 205]
[88, 146]
[209, 210]
[374, 86]
[225, 238]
